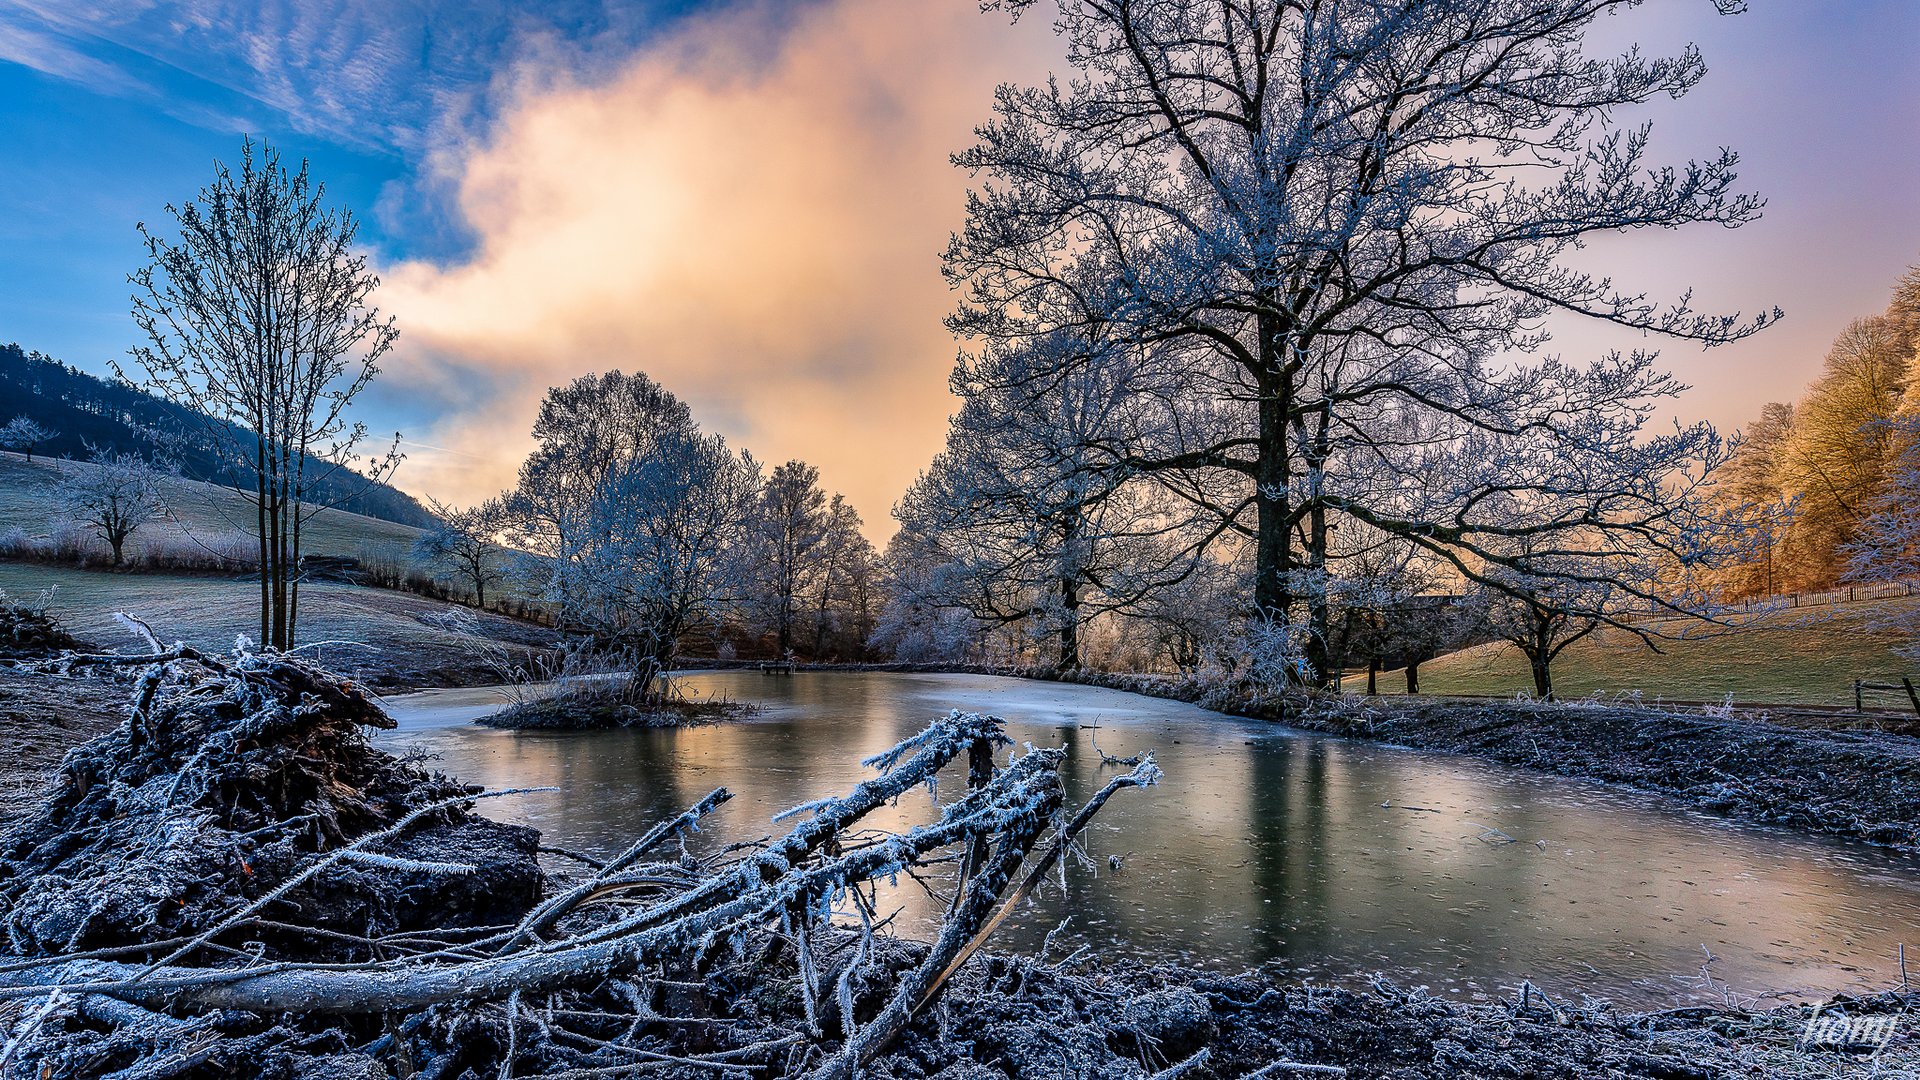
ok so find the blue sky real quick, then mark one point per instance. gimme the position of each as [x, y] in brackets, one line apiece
[746, 198]
[110, 110]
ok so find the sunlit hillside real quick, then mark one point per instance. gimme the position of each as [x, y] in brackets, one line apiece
[1808, 656]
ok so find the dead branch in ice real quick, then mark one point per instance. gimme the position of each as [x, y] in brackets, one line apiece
[1109, 759]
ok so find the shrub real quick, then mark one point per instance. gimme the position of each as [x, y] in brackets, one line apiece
[221, 553]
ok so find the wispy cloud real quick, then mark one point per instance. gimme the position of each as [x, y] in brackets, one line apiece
[370, 73]
[30, 41]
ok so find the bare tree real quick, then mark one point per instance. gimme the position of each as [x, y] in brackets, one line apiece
[24, 434]
[259, 321]
[1039, 525]
[114, 496]
[1540, 614]
[1619, 531]
[1380, 590]
[1314, 216]
[845, 595]
[641, 525]
[793, 517]
[463, 540]
[916, 622]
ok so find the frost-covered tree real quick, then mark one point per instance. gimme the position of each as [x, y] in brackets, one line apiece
[794, 523]
[1888, 548]
[114, 496]
[845, 593]
[641, 525]
[462, 541]
[1038, 525]
[1594, 525]
[259, 320]
[1543, 613]
[24, 434]
[1383, 592]
[916, 621]
[1321, 223]
[1187, 621]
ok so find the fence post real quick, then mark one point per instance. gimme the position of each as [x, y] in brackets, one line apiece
[1859, 703]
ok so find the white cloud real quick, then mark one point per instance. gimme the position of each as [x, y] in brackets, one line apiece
[751, 212]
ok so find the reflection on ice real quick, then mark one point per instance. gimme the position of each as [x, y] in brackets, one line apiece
[1262, 844]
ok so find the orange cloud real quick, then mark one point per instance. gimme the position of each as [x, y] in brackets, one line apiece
[751, 212]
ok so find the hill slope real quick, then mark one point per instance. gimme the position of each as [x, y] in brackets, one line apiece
[200, 511]
[86, 411]
[392, 640]
[1808, 656]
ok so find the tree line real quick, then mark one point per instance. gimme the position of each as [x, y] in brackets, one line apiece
[1256, 379]
[640, 532]
[1823, 470]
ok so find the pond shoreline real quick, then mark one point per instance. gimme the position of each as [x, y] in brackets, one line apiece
[1002, 1015]
[1862, 786]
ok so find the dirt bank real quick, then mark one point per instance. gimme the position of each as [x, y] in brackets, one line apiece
[1863, 785]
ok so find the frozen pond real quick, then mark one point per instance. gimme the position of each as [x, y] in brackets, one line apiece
[1319, 855]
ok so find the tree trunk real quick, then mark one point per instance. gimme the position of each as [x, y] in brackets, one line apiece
[1273, 554]
[1413, 676]
[1542, 678]
[1373, 676]
[785, 613]
[1319, 646]
[261, 511]
[1070, 625]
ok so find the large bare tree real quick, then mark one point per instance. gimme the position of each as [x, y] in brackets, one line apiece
[1332, 224]
[259, 318]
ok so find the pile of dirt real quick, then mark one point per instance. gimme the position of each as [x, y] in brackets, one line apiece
[226, 777]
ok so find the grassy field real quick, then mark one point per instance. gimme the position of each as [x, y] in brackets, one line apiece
[28, 501]
[409, 644]
[1808, 656]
